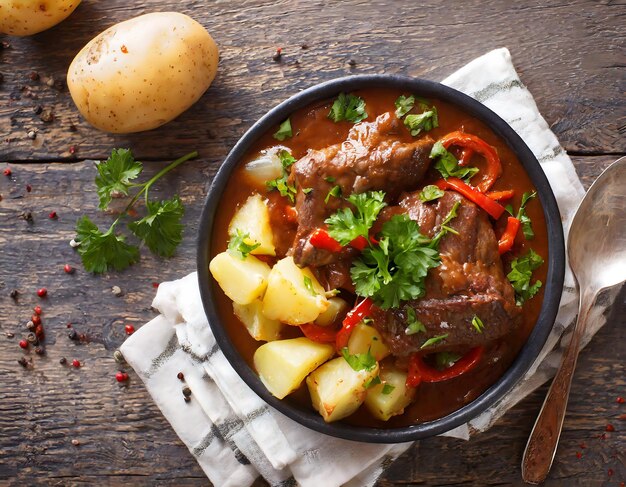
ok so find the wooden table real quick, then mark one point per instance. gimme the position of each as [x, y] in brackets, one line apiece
[569, 54]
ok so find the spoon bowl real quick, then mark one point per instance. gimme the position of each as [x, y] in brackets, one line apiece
[597, 255]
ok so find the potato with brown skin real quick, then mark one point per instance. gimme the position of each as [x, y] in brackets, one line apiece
[140, 74]
[28, 17]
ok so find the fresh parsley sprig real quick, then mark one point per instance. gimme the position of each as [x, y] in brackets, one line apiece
[416, 122]
[348, 107]
[522, 216]
[282, 183]
[239, 245]
[359, 361]
[160, 230]
[447, 164]
[346, 225]
[521, 273]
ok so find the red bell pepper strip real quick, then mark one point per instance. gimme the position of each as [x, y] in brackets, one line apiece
[486, 203]
[353, 318]
[321, 334]
[506, 194]
[508, 237]
[469, 141]
[419, 371]
[359, 243]
[322, 240]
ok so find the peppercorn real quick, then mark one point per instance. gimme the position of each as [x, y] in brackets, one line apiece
[31, 133]
[37, 110]
[27, 215]
[155, 285]
[29, 188]
[76, 363]
[72, 149]
[72, 335]
[53, 215]
[39, 332]
[75, 442]
[68, 269]
[34, 76]
[37, 310]
[130, 329]
[30, 325]
[62, 360]
[47, 116]
[23, 344]
[119, 358]
[40, 351]
[610, 428]
[36, 319]
[14, 294]
[117, 291]
[180, 376]
[7, 172]
[278, 54]
[187, 398]
[352, 63]
[620, 400]
[23, 362]
[42, 293]
[304, 46]
[9, 334]
[186, 391]
[121, 376]
[31, 338]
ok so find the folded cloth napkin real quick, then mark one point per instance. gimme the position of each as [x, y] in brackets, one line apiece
[234, 435]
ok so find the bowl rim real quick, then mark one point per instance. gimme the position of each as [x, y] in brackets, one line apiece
[553, 286]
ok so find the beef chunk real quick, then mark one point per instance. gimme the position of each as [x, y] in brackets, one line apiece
[469, 282]
[370, 159]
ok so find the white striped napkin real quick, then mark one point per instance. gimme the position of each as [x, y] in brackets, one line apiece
[233, 434]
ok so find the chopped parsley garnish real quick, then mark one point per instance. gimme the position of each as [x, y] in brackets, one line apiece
[307, 190]
[422, 122]
[404, 104]
[478, 324]
[448, 165]
[413, 324]
[444, 228]
[161, 229]
[524, 219]
[443, 360]
[431, 193]
[281, 184]
[346, 225]
[308, 284]
[387, 389]
[329, 179]
[359, 361]
[239, 246]
[372, 382]
[348, 107]
[432, 341]
[284, 131]
[334, 191]
[521, 273]
[395, 270]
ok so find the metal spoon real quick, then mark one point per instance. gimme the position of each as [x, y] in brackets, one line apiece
[597, 255]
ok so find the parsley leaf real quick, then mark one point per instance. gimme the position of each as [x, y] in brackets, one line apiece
[308, 284]
[102, 251]
[478, 324]
[424, 121]
[372, 382]
[284, 131]
[447, 164]
[239, 246]
[307, 190]
[281, 184]
[115, 174]
[413, 324]
[527, 228]
[444, 228]
[161, 229]
[387, 389]
[359, 361]
[521, 273]
[404, 104]
[348, 107]
[395, 270]
[334, 191]
[433, 340]
[346, 225]
[431, 193]
[443, 360]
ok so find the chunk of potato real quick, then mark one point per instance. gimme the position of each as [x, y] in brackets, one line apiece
[282, 365]
[336, 306]
[337, 390]
[384, 406]
[242, 280]
[293, 296]
[259, 326]
[253, 218]
[366, 337]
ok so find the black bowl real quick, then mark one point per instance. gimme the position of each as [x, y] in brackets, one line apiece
[553, 286]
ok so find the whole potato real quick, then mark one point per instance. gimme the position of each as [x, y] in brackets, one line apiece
[142, 73]
[27, 17]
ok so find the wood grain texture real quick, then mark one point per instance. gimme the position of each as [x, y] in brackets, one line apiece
[570, 54]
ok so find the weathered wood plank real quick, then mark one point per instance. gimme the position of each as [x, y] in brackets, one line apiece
[123, 436]
[576, 76]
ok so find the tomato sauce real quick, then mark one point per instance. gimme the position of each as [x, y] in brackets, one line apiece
[312, 129]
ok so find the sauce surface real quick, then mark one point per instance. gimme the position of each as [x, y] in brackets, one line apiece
[312, 129]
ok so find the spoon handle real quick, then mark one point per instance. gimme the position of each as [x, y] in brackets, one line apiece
[544, 438]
